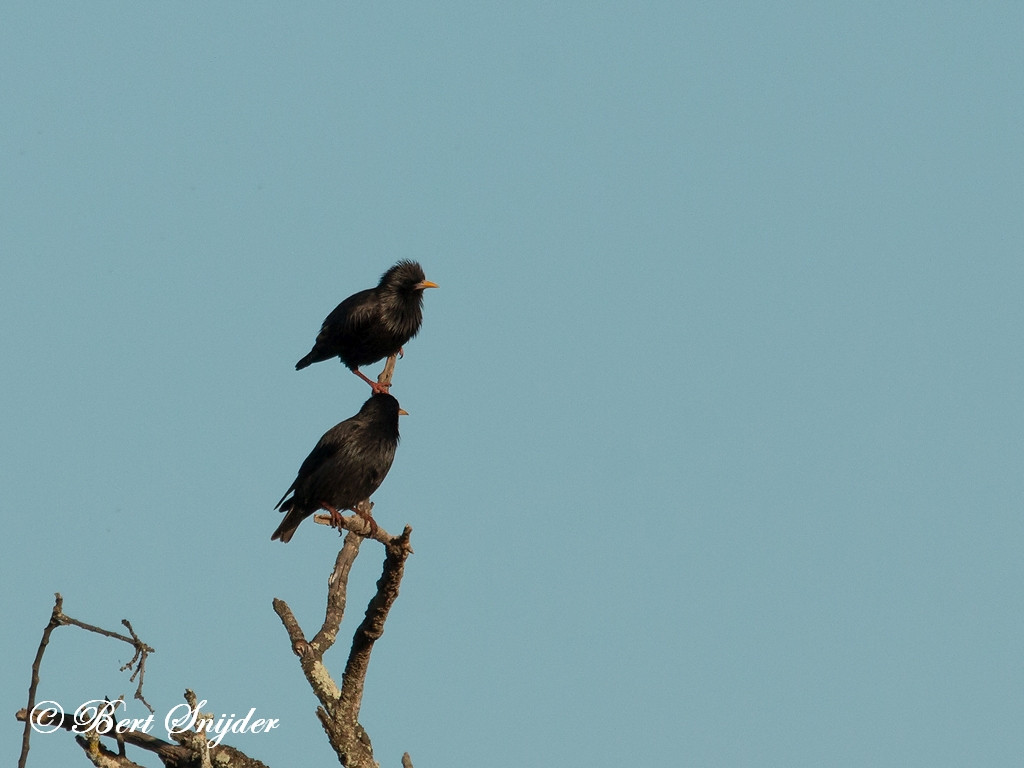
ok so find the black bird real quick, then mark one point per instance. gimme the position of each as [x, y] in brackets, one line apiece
[373, 324]
[346, 467]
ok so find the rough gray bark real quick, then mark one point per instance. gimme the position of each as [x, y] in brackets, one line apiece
[339, 707]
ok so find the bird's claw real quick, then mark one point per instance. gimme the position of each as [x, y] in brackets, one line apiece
[336, 518]
[369, 520]
[377, 387]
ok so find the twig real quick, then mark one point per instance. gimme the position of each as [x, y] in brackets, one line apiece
[51, 625]
[142, 650]
[406, 761]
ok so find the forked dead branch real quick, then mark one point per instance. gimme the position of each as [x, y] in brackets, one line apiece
[339, 707]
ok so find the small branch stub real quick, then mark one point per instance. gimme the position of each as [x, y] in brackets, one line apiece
[389, 370]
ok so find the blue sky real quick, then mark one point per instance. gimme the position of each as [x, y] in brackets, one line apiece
[714, 454]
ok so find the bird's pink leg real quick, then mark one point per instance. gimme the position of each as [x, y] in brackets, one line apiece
[378, 389]
[368, 518]
[336, 517]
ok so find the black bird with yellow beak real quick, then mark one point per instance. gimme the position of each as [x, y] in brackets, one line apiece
[373, 324]
[347, 465]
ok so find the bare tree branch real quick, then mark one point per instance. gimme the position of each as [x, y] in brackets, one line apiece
[142, 650]
[57, 619]
[337, 587]
[358, 524]
[388, 372]
[311, 654]
[193, 751]
[339, 708]
[183, 755]
[197, 739]
[372, 626]
[51, 625]
[100, 756]
[171, 754]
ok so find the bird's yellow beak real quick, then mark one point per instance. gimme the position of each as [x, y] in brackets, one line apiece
[402, 412]
[425, 284]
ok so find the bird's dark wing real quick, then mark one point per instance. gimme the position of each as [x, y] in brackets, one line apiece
[355, 313]
[322, 455]
[346, 322]
[290, 489]
[337, 463]
[319, 457]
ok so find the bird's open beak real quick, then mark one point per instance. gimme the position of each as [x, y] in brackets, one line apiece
[402, 412]
[425, 284]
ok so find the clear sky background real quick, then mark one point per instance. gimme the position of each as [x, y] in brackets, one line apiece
[715, 452]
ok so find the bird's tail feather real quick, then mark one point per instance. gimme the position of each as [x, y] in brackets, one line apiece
[287, 528]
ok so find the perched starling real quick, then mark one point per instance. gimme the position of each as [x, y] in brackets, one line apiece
[346, 467]
[373, 324]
